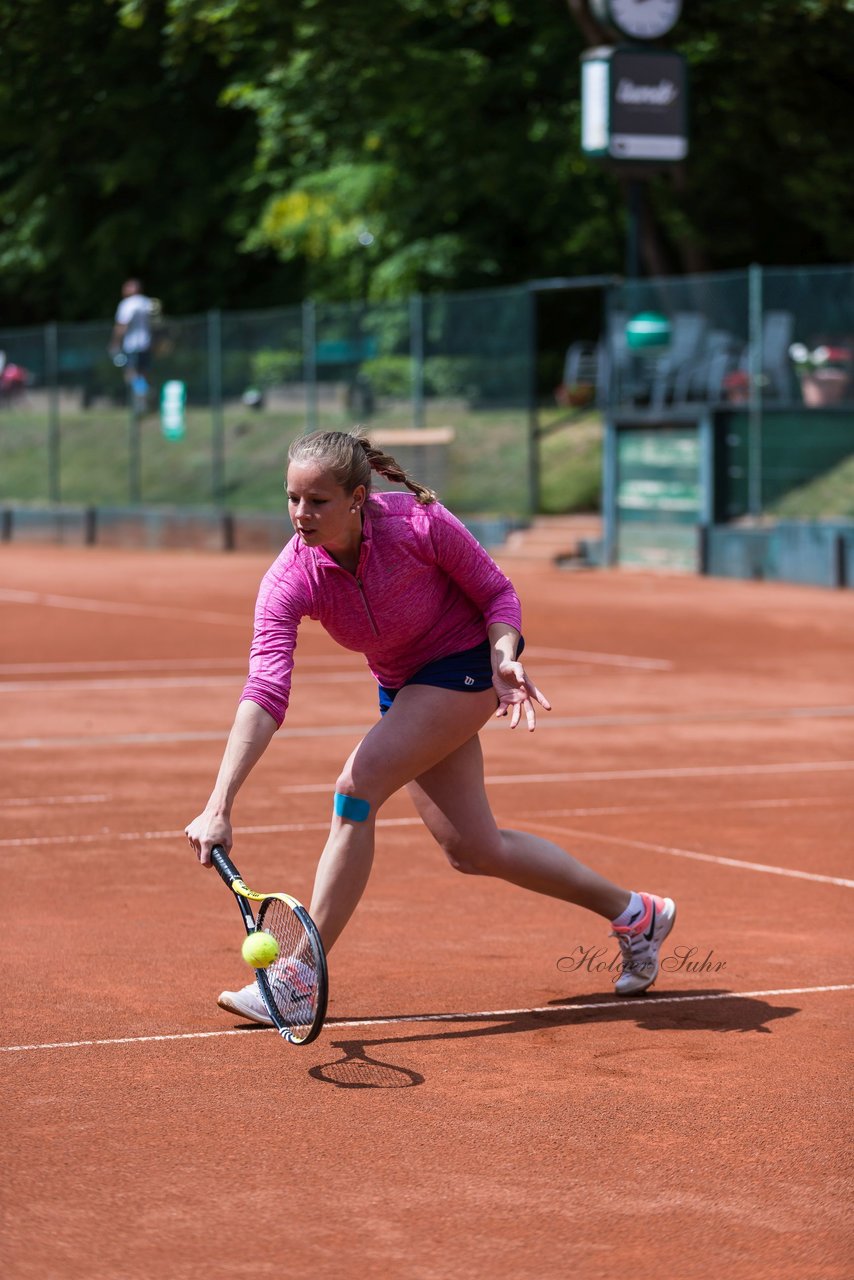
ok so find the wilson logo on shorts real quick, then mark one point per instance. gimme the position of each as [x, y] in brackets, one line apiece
[469, 680]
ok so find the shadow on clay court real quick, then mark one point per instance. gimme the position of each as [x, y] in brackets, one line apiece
[357, 1069]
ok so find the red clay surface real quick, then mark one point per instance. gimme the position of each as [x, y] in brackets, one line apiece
[702, 731]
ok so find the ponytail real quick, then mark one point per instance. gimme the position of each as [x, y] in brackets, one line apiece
[385, 465]
[351, 458]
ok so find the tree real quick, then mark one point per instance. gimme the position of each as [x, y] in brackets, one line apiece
[419, 144]
[768, 178]
[239, 153]
[116, 159]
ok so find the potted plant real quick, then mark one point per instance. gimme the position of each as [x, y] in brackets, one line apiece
[577, 395]
[824, 372]
[736, 386]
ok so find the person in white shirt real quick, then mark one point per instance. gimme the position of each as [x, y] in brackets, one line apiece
[132, 338]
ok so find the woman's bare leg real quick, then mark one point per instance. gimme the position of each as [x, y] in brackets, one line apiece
[428, 739]
[451, 799]
[422, 727]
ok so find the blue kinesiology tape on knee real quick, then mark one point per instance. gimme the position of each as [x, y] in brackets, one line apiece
[351, 807]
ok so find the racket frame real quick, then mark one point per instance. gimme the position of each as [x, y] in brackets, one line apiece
[243, 896]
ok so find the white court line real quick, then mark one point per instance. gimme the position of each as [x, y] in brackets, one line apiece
[54, 601]
[167, 682]
[285, 828]
[82, 603]
[162, 664]
[559, 656]
[603, 659]
[108, 837]
[50, 800]
[360, 676]
[320, 787]
[685, 771]
[131, 665]
[810, 802]
[546, 720]
[690, 853]
[163, 739]
[492, 726]
[615, 1004]
[624, 775]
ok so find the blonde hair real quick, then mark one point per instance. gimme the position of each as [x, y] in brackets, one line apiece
[351, 458]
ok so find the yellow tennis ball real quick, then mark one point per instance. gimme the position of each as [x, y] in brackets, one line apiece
[260, 949]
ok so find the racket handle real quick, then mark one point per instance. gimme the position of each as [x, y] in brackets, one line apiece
[224, 865]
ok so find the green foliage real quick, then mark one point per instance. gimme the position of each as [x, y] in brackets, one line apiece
[248, 154]
[472, 378]
[455, 376]
[768, 179]
[116, 159]
[389, 375]
[485, 471]
[273, 368]
[829, 496]
[571, 467]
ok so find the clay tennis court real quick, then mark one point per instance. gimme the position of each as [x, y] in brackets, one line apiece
[479, 1102]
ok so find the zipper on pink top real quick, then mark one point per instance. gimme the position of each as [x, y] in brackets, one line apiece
[364, 552]
[374, 626]
[363, 555]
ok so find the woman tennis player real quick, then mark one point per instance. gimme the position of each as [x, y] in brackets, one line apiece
[398, 578]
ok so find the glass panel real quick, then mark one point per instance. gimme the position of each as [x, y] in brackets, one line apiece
[808, 335]
[658, 497]
[264, 406]
[478, 381]
[698, 355]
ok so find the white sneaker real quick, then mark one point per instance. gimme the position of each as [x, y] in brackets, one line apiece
[246, 1003]
[293, 984]
[640, 943]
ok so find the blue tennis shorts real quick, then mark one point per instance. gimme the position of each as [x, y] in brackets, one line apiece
[467, 672]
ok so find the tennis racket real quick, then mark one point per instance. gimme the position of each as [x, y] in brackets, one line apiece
[295, 986]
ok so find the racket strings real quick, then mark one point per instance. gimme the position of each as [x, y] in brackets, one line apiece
[293, 978]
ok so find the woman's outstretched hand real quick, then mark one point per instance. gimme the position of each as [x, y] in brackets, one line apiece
[515, 690]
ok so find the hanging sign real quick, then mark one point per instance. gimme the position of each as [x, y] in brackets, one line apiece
[634, 105]
[173, 399]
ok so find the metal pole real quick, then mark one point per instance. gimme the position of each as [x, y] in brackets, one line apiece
[54, 482]
[754, 449]
[533, 407]
[134, 450]
[839, 561]
[215, 395]
[706, 514]
[416, 348]
[608, 347]
[706, 438]
[633, 223]
[309, 362]
[610, 539]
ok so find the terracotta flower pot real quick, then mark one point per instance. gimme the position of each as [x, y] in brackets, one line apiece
[825, 386]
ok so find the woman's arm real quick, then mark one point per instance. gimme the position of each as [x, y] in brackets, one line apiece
[249, 738]
[504, 640]
[471, 567]
[509, 679]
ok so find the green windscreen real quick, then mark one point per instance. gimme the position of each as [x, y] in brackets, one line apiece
[658, 497]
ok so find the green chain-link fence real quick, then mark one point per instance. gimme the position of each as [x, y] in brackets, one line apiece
[72, 431]
[770, 351]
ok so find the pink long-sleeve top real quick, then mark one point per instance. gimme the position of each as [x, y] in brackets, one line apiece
[424, 588]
